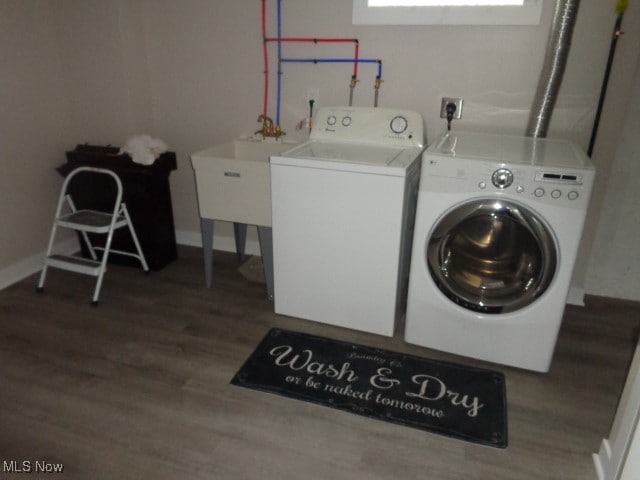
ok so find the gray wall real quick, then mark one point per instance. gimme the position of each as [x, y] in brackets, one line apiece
[614, 269]
[190, 72]
[35, 126]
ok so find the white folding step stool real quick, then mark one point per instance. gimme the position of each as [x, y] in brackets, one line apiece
[90, 221]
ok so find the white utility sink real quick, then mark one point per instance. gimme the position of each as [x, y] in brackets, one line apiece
[234, 185]
[233, 180]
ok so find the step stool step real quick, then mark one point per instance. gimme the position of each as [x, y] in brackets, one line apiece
[74, 264]
[89, 221]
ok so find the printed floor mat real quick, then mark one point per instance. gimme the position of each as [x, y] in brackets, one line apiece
[462, 402]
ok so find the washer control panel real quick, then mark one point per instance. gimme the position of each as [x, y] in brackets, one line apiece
[367, 125]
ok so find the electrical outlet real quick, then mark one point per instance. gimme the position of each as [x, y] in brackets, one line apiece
[446, 101]
[313, 94]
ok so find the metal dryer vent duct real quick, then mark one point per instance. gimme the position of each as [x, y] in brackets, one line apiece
[564, 18]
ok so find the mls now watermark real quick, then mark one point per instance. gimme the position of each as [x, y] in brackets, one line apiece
[28, 466]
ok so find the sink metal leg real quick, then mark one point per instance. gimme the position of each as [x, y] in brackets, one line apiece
[266, 248]
[206, 224]
[240, 234]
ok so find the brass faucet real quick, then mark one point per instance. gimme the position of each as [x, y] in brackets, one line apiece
[268, 129]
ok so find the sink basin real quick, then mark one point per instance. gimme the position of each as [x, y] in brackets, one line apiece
[233, 182]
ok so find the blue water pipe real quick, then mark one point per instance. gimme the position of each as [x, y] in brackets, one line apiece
[354, 61]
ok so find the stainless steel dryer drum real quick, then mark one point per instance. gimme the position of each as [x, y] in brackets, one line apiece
[491, 256]
[498, 224]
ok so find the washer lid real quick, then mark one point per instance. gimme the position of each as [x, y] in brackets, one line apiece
[351, 157]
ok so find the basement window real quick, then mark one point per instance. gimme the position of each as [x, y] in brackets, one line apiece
[446, 12]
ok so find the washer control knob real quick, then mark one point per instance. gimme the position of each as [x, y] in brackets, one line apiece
[538, 192]
[556, 194]
[398, 124]
[502, 178]
[331, 120]
[482, 185]
[346, 121]
[572, 195]
[519, 189]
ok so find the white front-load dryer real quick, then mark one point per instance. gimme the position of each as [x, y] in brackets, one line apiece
[498, 224]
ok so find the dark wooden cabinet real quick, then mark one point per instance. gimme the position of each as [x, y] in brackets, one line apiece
[145, 191]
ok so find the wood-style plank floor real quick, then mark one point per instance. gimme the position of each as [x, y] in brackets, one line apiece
[139, 388]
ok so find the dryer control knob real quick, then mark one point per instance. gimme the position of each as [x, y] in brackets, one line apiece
[572, 195]
[538, 192]
[556, 194]
[502, 178]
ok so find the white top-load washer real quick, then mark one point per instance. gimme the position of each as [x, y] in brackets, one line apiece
[498, 226]
[343, 206]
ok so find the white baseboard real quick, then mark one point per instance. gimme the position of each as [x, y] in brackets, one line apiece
[227, 244]
[28, 266]
[601, 459]
[598, 466]
[576, 296]
[224, 243]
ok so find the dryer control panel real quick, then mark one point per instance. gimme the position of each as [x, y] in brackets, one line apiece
[502, 178]
[553, 172]
[557, 186]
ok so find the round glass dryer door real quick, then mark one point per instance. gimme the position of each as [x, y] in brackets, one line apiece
[491, 256]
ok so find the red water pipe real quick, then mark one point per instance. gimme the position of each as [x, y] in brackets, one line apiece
[266, 57]
[281, 39]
